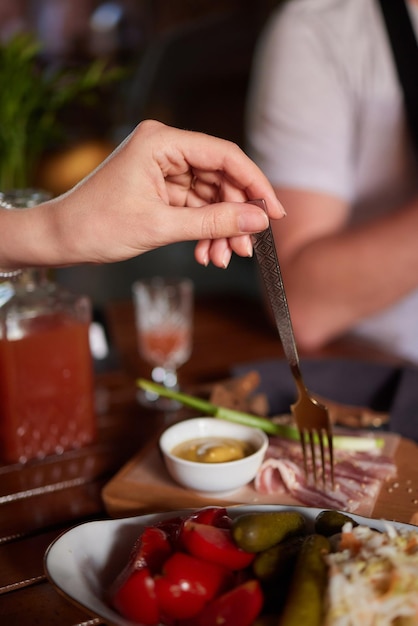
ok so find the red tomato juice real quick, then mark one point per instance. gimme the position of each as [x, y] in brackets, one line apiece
[165, 345]
[46, 389]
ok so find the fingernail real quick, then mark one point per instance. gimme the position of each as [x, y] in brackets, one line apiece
[252, 221]
[226, 258]
[250, 249]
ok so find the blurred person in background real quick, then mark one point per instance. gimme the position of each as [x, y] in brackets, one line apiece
[327, 125]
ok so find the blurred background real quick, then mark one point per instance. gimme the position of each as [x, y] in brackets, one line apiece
[183, 62]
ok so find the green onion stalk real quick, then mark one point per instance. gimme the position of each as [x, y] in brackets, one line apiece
[345, 442]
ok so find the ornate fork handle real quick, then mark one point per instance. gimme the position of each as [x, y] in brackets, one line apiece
[312, 418]
[265, 251]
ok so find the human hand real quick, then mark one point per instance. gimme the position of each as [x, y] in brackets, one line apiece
[163, 185]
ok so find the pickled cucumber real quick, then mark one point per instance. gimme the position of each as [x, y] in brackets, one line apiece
[305, 603]
[255, 532]
[330, 523]
[278, 560]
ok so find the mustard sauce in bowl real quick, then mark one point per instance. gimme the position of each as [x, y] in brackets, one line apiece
[213, 450]
[207, 454]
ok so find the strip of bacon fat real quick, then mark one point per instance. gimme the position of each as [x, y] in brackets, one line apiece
[358, 476]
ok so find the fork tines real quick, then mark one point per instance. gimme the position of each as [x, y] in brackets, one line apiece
[310, 441]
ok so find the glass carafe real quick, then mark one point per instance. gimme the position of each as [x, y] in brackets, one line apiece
[46, 371]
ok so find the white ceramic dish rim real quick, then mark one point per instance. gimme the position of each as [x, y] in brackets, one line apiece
[230, 427]
[83, 561]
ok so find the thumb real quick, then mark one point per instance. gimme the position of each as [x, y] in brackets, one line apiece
[215, 221]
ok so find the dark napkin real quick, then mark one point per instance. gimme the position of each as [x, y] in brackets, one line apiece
[381, 387]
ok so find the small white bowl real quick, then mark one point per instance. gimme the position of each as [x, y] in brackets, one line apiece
[212, 477]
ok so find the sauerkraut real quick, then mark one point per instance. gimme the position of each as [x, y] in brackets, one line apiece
[373, 578]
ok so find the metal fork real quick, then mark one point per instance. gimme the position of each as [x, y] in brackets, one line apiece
[312, 418]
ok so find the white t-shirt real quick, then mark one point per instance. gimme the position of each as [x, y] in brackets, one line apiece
[325, 113]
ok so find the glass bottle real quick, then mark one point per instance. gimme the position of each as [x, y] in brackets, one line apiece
[46, 371]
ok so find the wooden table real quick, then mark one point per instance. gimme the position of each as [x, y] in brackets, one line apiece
[44, 498]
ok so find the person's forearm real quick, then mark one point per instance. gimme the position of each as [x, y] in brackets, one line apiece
[162, 185]
[336, 280]
[28, 238]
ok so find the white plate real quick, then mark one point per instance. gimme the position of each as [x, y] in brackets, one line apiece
[83, 561]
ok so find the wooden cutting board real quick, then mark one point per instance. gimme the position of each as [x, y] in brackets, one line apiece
[143, 485]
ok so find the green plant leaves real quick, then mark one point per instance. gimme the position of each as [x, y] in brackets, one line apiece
[31, 96]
